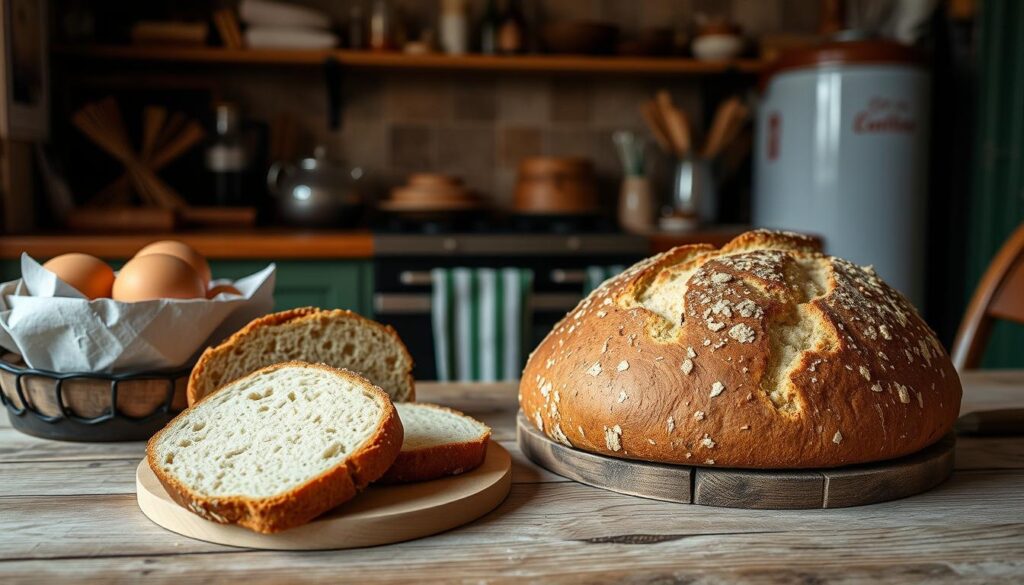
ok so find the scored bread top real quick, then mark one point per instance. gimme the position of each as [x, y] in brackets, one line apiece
[765, 353]
[277, 447]
[338, 338]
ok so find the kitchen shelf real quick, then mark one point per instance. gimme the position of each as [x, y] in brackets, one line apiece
[435, 62]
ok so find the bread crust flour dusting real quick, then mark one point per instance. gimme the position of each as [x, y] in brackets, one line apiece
[765, 353]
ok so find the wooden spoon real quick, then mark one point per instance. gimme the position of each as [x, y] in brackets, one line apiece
[729, 119]
[649, 110]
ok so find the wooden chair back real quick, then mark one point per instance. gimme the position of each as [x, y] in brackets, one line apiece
[1000, 295]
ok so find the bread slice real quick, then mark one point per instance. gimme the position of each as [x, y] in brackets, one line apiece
[279, 447]
[338, 338]
[438, 441]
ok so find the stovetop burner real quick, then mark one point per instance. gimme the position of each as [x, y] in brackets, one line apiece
[482, 222]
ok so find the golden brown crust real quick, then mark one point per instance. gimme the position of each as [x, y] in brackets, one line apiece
[439, 461]
[196, 390]
[309, 500]
[867, 379]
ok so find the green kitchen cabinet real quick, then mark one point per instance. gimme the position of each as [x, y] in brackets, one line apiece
[10, 270]
[331, 284]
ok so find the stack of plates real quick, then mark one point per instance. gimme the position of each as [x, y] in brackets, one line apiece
[431, 192]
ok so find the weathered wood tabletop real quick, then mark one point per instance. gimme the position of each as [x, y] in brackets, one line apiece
[68, 513]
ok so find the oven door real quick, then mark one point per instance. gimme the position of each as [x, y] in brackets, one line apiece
[403, 300]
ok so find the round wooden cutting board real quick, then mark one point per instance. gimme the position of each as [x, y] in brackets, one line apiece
[744, 488]
[380, 515]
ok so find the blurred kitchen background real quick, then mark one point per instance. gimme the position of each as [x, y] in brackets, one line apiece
[371, 147]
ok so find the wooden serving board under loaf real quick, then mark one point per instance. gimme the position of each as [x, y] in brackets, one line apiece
[381, 515]
[744, 488]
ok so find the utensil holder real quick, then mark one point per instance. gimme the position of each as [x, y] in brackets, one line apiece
[636, 205]
[694, 190]
[90, 407]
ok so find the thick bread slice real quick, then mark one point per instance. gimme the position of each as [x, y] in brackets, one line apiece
[338, 338]
[438, 441]
[279, 447]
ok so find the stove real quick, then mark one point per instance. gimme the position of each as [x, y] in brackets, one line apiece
[402, 282]
[487, 222]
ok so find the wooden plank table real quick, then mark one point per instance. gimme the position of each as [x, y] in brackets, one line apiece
[68, 513]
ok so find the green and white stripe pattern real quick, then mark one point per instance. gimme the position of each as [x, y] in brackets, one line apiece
[481, 319]
[596, 275]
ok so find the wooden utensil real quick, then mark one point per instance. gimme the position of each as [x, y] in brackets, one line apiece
[676, 124]
[730, 116]
[164, 140]
[652, 115]
[226, 22]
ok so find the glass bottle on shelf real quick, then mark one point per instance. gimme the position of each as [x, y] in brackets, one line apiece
[512, 30]
[489, 24]
[226, 157]
[356, 37]
[452, 25]
[382, 33]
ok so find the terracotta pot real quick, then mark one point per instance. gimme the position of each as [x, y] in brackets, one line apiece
[556, 185]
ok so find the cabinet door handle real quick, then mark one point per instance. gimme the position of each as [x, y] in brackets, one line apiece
[415, 278]
[568, 276]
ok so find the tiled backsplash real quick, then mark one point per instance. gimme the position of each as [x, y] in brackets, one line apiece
[478, 126]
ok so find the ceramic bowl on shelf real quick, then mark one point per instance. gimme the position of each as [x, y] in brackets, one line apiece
[717, 46]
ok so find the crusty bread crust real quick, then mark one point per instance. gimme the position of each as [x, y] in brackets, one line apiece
[309, 500]
[782, 357]
[438, 461]
[197, 386]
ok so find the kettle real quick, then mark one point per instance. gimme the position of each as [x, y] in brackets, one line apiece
[317, 191]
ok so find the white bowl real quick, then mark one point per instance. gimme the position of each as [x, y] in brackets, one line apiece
[717, 47]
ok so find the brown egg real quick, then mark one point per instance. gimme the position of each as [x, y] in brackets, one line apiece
[88, 274]
[183, 251]
[222, 288]
[157, 276]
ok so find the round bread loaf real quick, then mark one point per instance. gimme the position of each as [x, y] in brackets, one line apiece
[765, 353]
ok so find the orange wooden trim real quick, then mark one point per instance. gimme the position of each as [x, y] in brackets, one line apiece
[261, 245]
[369, 59]
[971, 338]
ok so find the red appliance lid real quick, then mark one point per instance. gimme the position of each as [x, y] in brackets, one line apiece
[848, 52]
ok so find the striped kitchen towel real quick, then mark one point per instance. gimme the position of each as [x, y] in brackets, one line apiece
[481, 319]
[596, 275]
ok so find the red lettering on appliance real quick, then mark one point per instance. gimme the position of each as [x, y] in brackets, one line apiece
[883, 115]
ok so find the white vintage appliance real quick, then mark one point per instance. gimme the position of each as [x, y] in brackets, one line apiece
[842, 147]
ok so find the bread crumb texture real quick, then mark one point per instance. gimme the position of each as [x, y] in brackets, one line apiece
[791, 342]
[277, 447]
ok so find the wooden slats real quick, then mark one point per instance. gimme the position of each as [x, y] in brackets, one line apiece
[68, 513]
[108, 525]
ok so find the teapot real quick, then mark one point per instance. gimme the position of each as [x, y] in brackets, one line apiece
[317, 191]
